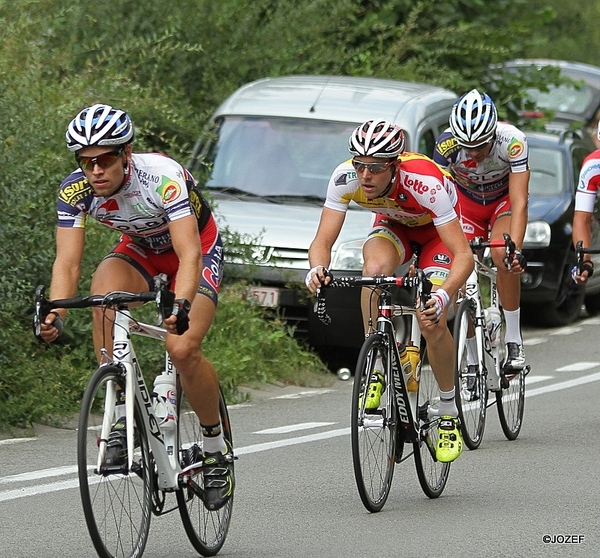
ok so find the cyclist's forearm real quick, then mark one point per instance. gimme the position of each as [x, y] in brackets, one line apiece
[582, 226]
[462, 265]
[64, 283]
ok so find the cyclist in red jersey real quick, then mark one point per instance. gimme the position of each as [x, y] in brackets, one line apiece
[414, 200]
[585, 200]
[167, 227]
[489, 160]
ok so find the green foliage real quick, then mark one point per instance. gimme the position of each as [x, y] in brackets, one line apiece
[170, 66]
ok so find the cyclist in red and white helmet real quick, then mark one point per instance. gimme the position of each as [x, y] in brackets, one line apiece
[414, 201]
[489, 161]
[585, 201]
[155, 204]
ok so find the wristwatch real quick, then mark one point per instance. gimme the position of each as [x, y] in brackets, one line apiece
[184, 303]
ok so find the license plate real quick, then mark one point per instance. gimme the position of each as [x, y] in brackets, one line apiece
[264, 296]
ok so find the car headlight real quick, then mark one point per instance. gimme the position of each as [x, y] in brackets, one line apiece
[537, 235]
[349, 256]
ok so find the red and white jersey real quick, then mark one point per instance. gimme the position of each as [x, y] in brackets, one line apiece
[487, 181]
[589, 183]
[421, 192]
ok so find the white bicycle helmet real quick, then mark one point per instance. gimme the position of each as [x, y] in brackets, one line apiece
[473, 119]
[377, 138]
[99, 125]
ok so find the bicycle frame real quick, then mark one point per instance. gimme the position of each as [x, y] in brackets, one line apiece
[490, 356]
[162, 444]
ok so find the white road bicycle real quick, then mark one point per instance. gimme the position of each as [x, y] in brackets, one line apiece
[119, 500]
[404, 422]
[479, 315]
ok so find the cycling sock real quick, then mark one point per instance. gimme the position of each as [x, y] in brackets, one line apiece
[471, 350]
[213, 439]
[448, 404]
[513, 326]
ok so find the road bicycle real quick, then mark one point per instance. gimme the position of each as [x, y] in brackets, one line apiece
[479, 315]
[405, 421]
[162, 456]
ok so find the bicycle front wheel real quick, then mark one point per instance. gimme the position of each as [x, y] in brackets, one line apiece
[470, 381]
[432, 473]
[116, 502]
[205, 529]
[373, 429]
[510, 401]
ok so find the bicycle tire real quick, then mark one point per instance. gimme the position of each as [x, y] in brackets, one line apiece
[117, 505]
[510, 401]
[471, 403]
[206, 530]
[432, 473]
[373, 434]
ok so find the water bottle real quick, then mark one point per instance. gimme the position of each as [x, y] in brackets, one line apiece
[165, 401]
[409, 358]
[493, 321]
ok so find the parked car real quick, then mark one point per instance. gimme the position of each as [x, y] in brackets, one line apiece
[267, 156]
[549, 297]
[569, 102]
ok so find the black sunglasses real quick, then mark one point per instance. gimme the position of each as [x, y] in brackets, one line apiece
[103, 161]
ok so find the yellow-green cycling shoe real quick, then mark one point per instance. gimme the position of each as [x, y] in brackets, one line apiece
[450, 442]
[374, 391]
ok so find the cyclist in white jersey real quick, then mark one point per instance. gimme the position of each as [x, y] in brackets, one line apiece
[489, 160]
[167, 227]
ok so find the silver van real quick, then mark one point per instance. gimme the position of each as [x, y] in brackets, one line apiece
[266, 159]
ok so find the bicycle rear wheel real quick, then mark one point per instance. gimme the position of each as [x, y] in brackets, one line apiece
[432, 474]
[510, 401]
[471, 382]
[117, 503]
[373, 431]
[205, 529]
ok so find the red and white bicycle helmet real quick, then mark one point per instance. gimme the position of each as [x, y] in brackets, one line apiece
[473, 119]
[377, 138]
[99, 125]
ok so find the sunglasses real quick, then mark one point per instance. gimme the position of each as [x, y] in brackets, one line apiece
[373, 168]
[103, 161]
[479, 147]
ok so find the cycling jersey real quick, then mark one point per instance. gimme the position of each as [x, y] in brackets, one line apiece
[421, 192]
[485, 182]
[589, 183]
[157, 190]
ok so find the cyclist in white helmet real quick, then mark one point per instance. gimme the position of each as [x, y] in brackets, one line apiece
[489, 161]
[153, 201]
[585, 200]
[414, 201]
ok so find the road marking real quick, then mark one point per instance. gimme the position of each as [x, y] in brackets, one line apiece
[254, 448]
[36, 475]
[566, 330]
[10, 441]
[535, 379]
[535, 341]
[578, 366]
[293, 427]
[300, 394]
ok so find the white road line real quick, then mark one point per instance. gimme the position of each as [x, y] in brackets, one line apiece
[254, 448]
[536, 379]
[10, 441]
[578, 367]
[36, 475]
[293, 427]
[300, 394]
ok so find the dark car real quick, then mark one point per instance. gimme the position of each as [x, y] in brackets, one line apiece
[549, 297]
[568, 102]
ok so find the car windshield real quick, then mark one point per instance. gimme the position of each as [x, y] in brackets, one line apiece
[547, 171]
[277, 156]
[563, 98]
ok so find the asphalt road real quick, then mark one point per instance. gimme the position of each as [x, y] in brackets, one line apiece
[296, 495]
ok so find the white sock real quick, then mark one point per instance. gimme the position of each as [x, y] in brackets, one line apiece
[448, 404]
[513, 326]
[214, 444]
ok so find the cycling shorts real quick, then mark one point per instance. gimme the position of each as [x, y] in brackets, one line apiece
[150, 264]
[435, 259]
[478, 219]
